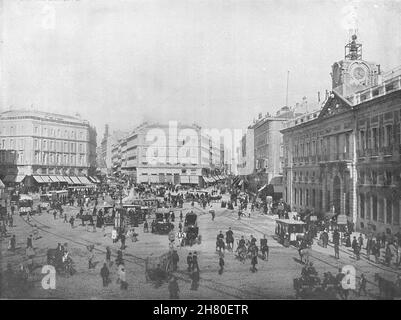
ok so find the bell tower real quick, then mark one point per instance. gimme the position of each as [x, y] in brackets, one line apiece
[353, 74]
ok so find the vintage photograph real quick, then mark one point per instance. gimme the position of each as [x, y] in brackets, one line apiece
[200, 150]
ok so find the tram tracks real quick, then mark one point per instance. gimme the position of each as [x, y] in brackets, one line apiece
[211, 284]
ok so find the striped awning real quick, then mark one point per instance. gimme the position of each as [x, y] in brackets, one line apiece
[45, 179]
[53, 179]
[75, 180]
[68, 180]
[38, 179]
[2, 184]
[84, 180]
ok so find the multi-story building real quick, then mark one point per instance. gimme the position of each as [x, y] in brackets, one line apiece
[174, 153]
[109, 139]
[35, 143]
[246, 162]
[346, 156]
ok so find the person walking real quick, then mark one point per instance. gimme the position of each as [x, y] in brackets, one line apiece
[65, 218]
[122, 277]
[91, 257]
[336, 242]
[189, 261]
[108, 255]
[355, 248]
[221, 263]
[254, 262]
[173, 288]
[175, 259]
[325, 238]
[54, 214]
[72, 222]
[122, 239]
[10, 221]
[362, 285]
[377, 252]
[195, 264]
[264, 248]
[104, 273]
[29, 242]
[388, 255]
[12, 243]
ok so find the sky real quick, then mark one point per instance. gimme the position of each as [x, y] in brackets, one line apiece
[217, 63]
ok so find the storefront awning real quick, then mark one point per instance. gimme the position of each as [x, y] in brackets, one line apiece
[75, 180]
[68, 180]
[38, 179]
[93, 179]
[53, 179]
[84, 180]
[13, 178]
[2, 186]
[61, 178]
[45, 179]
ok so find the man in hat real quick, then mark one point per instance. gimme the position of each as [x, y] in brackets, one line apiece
[189, 261]
[195, 264]
[104, 273]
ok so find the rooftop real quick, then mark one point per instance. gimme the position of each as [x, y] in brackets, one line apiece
[41, 114]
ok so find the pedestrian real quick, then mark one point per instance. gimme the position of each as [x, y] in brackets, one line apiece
[388, 255]
[119, 259]
[122, 239]
[360, 240]
[362, 285]
[55, 214]
[180, 226]
[264, 248]
[368, 247]
[29, 242]
[221, 263]
[65, 218]
[12, 243]
[146, 227]
[175, 259]
[181, 216]
[104, 273]
[189, 261]
[239, 214]
[195, 264]
[336, 242]
[122, 277]
[10, 221]
[355, 248]
[377, 252]
[114, 235]
[325, 238]
[108, 255]
[173, 288]
[254, 262]
[91, 257]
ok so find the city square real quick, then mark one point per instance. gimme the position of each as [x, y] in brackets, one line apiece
[134, 184]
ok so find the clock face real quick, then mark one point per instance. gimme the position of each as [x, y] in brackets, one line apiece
[359, 73]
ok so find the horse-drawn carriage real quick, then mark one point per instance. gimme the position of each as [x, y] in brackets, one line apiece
[61, 261]
[289, 231]
[191, 229]
[161, 225]
[312, 287]
[158, 268]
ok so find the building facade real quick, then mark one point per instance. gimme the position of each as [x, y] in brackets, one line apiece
[41, 143]
[158, 153]
[346, 156]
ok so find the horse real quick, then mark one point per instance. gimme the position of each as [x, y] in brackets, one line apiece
[304, 253]
[84, 218]
[241, 253]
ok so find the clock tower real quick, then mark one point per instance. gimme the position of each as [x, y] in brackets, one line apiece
[353, 74]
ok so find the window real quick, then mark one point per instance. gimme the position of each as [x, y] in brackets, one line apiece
[362, 140]
[389, 211]
[374, 207]
[388, 141]
[375, 140]
[362, 205]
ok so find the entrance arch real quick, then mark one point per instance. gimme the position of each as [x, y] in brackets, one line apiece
[337, 194]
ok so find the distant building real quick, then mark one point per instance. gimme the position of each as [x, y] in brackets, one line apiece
[35, 143]
[159, 153]
[109, 139]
